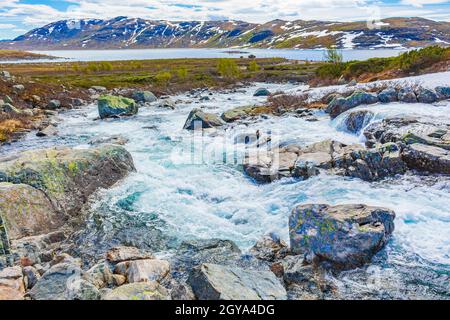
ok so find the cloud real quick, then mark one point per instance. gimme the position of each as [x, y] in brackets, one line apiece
[7, 26]
[421, 3]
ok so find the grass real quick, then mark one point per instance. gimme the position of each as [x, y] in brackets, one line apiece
[8, 55]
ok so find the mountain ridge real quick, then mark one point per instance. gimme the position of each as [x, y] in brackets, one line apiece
[137, 33]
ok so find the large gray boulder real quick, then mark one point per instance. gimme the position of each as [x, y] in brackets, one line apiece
[138, 291]
[200, 119]
[388, 95]
[217, 282]
[144, 96]
[339, 104]
[357, 120]
[427, 158]
[426, 95]
[114, 106]
[261, 92]
[443, 92]
[346, 236]
[407, 95]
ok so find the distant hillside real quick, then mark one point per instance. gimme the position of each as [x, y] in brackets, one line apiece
[123, 32]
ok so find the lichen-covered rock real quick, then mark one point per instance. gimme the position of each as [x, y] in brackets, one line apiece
[217, 282]
[427, 158]
[147, 270]
[261, 92]
[407, 95]
[199, 119]
[68, 176]
[100, 275]
[388, 95]
[80, 289]
[27, 211]
[346, 236]
[113, 106]
[138, 291]
[339, 104]
[144, 96]
[238, 113]
[426, 96]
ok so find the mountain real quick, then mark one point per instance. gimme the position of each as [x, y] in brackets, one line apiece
[123, 32]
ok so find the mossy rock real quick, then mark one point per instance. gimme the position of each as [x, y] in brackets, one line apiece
[112, 106]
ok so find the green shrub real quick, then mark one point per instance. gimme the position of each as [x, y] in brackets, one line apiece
[182, 73]
[330, 70]
[415, 60]
[163, 77]
[228, 68]
[253, 66]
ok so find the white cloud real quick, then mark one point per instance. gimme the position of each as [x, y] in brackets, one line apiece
[6, 26]
[421, 3]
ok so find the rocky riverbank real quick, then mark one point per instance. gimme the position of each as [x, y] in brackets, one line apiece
[49, 250]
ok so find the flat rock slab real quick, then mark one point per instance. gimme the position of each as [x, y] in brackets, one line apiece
[217, 282]
[138, 291]
[123, 253]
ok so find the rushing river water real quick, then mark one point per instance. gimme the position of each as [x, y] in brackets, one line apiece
[146, 54]
[184, 198]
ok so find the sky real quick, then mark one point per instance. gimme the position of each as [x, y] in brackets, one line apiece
[19, 16]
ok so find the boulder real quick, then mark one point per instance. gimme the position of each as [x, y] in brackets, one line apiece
[9, 108]
[339, 104]
[144, 96]
[31, 276]
[346, 236]
[68, 176]
[48, 131]
[235, 114]
[147, 270]
[8, 99]
[270, 248]
[388, 95]
[114, 139]
[122, 253]
[261, 92]
[138, 291]
[11, 284]
[167, 103]
[427, 158]
[53, 284]
[27, 211]
[113, 106]
[199, 119]
[443, 92]
[217, 282]
[80, 289]
[18, 87]
[357, 120]
[407, 95]
[426, 95]
[100, 275]
[98, 88]
[5, 74]
[53, 105]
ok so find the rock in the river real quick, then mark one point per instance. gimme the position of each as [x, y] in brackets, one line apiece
[122, 253]
[339, 105]
[144, 96]
[346, 236]
[427, 158]
[426, 96]
[357, 120]
[49, 130]
[217, 282]
[166, 103]
[113, 106]
[139, 291]
[407, 95]
[261, 92]
[443, 92]
[53, 105]
[53, 284]
[199, 119]
[68, 176]
[147, 270]
[388, 95]
[27, 211]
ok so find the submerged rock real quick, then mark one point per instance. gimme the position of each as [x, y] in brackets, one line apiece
[261, 92]
[200, 119]
[347, 236]
[217, 282]
[113, 106]
[144, 96]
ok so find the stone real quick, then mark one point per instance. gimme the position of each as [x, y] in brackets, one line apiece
[270, 248]
[5, 74]
[443, 92]
[217, 282]
[427, 158]
[138, 291]
[240, 113]
[357, 120]
[98, 89]
[144, 96]
[100, 275]
[407, 95]
[261, 92]
[7, 293]
[388, 95]
[26, 211]
[123, 253]
[48, 131]
[339, 104]
[199, 119]
[18, 87]
[53, 283]
[80, 289]
[426, 96]
[113, 106]
[346, 236]
[8, 99]
[9, 108]
[167, 103]
[68, 176]
[114, 139]
[31, 276]
[147, 270]
[53, 105]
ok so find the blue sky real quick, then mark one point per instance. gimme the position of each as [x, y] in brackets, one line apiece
[19, 16]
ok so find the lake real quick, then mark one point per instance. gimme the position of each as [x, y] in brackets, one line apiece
[146, 54]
